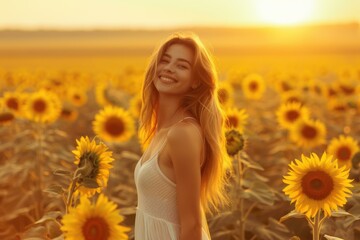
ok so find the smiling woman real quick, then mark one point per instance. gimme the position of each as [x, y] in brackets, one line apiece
[284, 12]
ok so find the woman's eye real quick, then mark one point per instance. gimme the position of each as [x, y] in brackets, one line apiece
[164, 61]
[182, 66]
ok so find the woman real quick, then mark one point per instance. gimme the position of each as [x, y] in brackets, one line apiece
[181, 175]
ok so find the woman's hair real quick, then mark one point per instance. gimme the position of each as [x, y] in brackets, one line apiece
[203, 103]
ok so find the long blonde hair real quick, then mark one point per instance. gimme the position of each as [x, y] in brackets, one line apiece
[204, 105]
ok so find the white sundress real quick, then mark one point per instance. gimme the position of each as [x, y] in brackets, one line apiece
[156, 212]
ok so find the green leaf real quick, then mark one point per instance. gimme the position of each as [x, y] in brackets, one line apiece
[61, 237]
[130, 155]
[224, 219]
[128, 211]
[259, 192]
[55, 189]
[292, 214]
[62, 172]
[252, 164]
[49, 216]
[37, 232]
[340, 213]
[273, 231]
[328, 237]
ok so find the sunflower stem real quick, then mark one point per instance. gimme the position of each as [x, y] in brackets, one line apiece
[71, 193]
[316, 227]
[38, 169]
[242, 215]
[321, 221]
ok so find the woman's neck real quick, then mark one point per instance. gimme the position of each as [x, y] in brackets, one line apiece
[169, 112]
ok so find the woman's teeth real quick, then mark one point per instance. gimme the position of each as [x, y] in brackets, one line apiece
[167, 80]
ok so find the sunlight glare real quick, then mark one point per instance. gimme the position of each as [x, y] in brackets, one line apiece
[284, 12]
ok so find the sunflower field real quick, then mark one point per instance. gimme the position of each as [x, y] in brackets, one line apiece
[69, 144]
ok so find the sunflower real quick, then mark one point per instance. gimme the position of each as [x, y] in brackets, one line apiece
[69, 113]
[346, 87]
[315, 184]
[225, 93]
[253, 86]
[6, 117]
[236, 118]
[308, 133]
[337, 105]
[14, 101]
[114, 124]
[93, 161]
[290, 112]
[343, 148]
[234, 141]
[101, 94]
[99, 221]
[282, 82]
[76, 96]
[43, 106]
[292, 96]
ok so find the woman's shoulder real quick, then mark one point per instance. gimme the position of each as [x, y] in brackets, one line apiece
[186, 130]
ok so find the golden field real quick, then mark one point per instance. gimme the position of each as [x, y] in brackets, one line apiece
[57, 87]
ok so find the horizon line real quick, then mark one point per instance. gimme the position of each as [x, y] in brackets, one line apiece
[164, 28]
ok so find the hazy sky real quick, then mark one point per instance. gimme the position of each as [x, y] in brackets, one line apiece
[89, 14]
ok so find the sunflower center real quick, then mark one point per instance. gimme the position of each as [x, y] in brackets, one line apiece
[114, 126]
[344, 153]
[6, 117]
[285, 86]
[96, 228]
[66, 112]
[12, 103]
[77, 97]
[232, 121]
[293, 99]
[348, 90]
[292, 115]
[340, 108]
[223, 95]
[309, 132]
[39, 106]
[253, 86]
[317, 185]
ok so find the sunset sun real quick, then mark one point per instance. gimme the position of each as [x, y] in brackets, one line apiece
[284, 12]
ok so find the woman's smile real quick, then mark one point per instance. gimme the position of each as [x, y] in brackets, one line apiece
[167, 79]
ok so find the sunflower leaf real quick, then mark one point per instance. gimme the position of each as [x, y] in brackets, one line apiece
[341, 213]
[292, 214]
[259, 192]
[252, 164]
[89, 183]
[328, 237]
[62, 172]
[274, 230]
[54, 188]
[128, 210]
[49, 216]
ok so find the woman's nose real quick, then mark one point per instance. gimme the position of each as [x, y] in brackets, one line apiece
[169, 67]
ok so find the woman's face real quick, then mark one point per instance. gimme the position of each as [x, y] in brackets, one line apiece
[174, 72]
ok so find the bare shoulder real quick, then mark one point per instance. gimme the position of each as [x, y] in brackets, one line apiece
[185, 132]
[185, 145]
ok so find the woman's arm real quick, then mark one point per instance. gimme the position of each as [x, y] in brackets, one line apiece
[185, 152]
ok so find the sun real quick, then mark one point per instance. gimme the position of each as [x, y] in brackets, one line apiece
[284, 12]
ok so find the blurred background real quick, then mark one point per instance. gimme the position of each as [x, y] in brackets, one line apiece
[289, 74]
[88, 34]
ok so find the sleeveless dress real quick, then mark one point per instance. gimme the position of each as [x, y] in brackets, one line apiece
[156, 213]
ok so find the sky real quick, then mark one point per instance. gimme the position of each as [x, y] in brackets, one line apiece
[157, 14]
